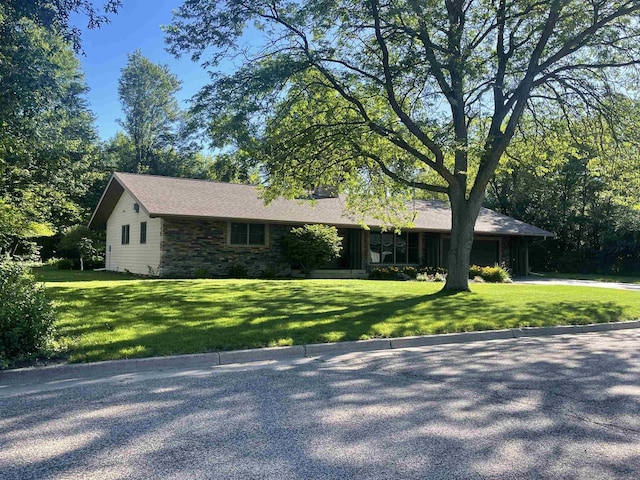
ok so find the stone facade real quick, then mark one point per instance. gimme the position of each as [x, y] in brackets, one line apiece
[201, 248]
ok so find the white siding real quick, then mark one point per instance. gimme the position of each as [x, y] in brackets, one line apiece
[134, 257]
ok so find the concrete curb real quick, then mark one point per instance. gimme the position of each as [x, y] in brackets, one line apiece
[319, 349]
[207, 360]
[262, 354]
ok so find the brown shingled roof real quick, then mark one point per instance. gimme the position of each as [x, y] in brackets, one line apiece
[180, 197]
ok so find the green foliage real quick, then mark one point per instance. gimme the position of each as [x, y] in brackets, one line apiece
[16, 229]
[147, 93]
[157, 138]
[392, 273]
[430, 274]
[436, 277]
[232, 168]
[238, 271]
[65, 264]
[382, 98]
[495, 274]
[580, 182]
[312, 246]
[55, 15]
[80, 242]
[26, 315]
[268, 273]
[47, 138]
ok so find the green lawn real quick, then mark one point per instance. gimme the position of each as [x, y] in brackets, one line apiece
[111, 316]
[591, 276]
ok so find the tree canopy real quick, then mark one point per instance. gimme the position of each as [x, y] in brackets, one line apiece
[378, 95]
[580, 180]
[47, 139]
[54, 15]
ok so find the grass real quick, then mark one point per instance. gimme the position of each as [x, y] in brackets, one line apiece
[112, 316]
[591, 276]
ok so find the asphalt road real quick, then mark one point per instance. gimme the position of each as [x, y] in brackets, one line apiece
[555, 407]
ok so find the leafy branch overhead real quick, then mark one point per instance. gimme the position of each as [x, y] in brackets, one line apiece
[417, 74]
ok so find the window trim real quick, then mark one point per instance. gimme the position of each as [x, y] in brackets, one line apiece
[250, 245]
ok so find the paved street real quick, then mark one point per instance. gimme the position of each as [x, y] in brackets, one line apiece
[554, 407]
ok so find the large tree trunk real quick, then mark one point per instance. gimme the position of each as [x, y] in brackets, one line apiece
[463, 219]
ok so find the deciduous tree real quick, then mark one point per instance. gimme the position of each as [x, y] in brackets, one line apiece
[47, 139]
[438, 85]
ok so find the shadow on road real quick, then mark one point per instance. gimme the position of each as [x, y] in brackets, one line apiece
[564, 407]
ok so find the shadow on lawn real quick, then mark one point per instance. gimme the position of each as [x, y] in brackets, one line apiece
[171, 317]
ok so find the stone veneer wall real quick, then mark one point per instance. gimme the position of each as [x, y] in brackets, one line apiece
[200, 248]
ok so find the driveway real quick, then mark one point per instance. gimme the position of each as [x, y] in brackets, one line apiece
[578, 283]
[553, 407]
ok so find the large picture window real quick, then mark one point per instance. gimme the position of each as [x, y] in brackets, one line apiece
[248, 234]
[389, 248]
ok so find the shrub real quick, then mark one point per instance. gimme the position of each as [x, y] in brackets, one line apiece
[312, 246]
[81, 243]
[495, 274]
[65, 264]
[440, 277]
[393, 273]
[475, 271]
[201, 272]
[238, 271]
[433, 271]
[268, 273]
[26, 315]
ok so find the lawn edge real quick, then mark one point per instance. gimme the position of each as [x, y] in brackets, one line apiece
[315, 350]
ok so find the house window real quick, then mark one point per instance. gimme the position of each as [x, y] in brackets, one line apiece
[389, 248]
[143, 232]
[248, 234]
[125, 234]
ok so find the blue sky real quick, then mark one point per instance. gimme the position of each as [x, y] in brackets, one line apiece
[136, 26]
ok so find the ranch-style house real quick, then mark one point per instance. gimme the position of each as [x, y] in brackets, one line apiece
[176, 227]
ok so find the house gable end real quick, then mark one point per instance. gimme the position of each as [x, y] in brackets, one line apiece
[108, 201]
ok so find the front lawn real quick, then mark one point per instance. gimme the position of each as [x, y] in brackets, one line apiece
[117, 317]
